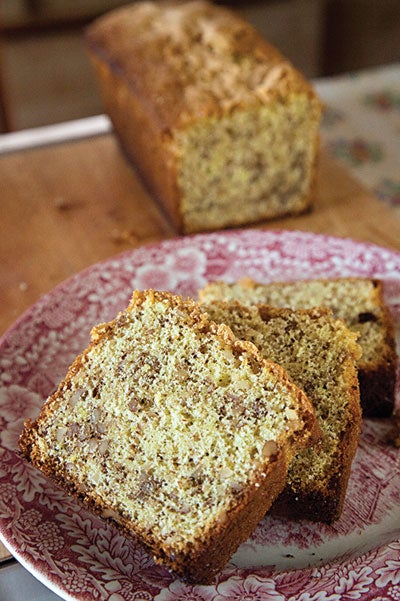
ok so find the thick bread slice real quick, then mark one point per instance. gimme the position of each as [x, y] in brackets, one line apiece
[359, 301]
[174, 427]
[319, 353]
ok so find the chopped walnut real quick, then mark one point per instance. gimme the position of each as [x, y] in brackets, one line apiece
[269, 449]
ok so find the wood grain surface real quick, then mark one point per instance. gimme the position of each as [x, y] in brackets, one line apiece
[68, 206]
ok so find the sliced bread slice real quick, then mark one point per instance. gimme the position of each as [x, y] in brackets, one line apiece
[319, 353]
[359, 301]
[175, 428]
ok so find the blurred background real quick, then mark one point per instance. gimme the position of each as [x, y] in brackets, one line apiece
[46, 77]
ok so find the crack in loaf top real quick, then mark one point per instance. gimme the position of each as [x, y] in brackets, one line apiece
[192, 60]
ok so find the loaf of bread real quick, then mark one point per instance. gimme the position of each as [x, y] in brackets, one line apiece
[174, 428]
[221, 127]
[319, 354]
[359, 301]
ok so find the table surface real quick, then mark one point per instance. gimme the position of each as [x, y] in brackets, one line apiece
[67, 206]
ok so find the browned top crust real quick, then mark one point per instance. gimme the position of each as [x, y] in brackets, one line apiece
[208, 60]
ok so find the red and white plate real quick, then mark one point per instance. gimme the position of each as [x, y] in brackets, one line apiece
[82, 558]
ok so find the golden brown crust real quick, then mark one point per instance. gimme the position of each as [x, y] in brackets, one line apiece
[160, 36]
[146, 147]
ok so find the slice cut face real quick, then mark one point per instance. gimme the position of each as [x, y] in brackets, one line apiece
[175, 428]
[319, 353]
[358, 301]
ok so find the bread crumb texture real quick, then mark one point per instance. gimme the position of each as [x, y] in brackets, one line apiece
[166, 421]
[253, 164]
[319, 353]
[358, 301]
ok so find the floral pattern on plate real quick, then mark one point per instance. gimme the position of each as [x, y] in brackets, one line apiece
[82, 557]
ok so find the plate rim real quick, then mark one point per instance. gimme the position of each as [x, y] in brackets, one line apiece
[169, 242]
[176, 239]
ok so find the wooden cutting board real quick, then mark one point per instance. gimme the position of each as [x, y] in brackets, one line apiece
[68, 206]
